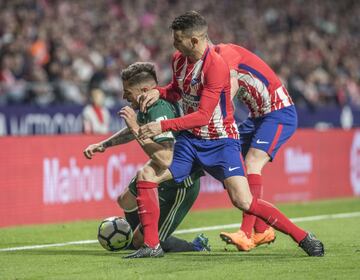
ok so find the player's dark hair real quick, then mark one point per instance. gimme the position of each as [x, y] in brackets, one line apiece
[139, 72]
[189, 22]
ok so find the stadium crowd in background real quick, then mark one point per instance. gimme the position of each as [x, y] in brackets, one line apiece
[56, 51]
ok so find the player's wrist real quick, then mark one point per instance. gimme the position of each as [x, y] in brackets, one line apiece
[135, 131]
[105, 145]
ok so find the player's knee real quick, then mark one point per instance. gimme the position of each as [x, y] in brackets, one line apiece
[165, 164]
[127, 200]
[121, 200]
[255, 160]
[241, 203]
[254, 163]
[250, 160]
[145, 174]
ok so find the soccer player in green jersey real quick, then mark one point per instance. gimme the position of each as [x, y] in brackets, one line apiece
[175, 199]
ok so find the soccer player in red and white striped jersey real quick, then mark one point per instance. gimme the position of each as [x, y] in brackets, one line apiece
[208, 136]
[272, 121]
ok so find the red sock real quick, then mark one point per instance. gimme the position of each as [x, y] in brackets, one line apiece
[148, 210]
[255, 182]
[275, 218]
[248, 222]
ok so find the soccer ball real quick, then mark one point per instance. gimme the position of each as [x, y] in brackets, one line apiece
[114, 234]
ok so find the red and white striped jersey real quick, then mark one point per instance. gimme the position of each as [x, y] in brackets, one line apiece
[259, 87]
[204, 90]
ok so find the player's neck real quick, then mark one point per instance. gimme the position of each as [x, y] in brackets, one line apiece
[198, 52]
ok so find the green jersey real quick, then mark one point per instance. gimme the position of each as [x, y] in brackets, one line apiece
[160, 110]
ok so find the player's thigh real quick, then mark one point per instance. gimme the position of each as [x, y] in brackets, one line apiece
[222, 158]
[183, 159]
[174, 207]
[255, 160]
[151, 172]
[274, 130]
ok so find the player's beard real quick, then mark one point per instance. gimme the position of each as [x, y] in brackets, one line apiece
[184, 51]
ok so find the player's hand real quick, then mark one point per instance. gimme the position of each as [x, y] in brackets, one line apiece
[148, 98]
[149, 130]
[92, 149]
[129, 115]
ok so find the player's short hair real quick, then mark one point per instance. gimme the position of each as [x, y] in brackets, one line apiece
[190, 22]
[139, 72]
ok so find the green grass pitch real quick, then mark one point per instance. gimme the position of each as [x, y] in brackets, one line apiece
[280, 260]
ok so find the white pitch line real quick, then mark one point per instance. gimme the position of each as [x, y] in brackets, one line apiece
[191, 230]
[295, 220]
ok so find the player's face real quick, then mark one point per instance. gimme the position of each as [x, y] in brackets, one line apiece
[182, 42]
[131, 94]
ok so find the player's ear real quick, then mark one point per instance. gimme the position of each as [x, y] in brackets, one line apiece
[194, 41]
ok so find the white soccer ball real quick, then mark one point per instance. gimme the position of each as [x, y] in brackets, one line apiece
[115, 234]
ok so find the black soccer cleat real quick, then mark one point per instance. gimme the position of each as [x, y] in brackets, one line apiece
[312, 246]
[146, 252]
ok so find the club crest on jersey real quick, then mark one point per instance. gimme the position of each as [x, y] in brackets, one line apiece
[195, 81]
[195, 85]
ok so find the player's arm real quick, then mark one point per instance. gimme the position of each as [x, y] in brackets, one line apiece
[123, 136]
[210, 96]
[159, 152]
[170, 92]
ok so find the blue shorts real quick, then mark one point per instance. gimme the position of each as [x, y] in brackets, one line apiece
[269, 132]
[221, 158]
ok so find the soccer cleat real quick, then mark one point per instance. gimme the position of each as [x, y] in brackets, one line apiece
[146, 252]
[201, 243]
[239, 239]
[312, 246]
[266, 237]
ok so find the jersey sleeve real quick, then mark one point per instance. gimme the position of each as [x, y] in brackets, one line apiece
[230, 54]
[161, 111]
[215, 79]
